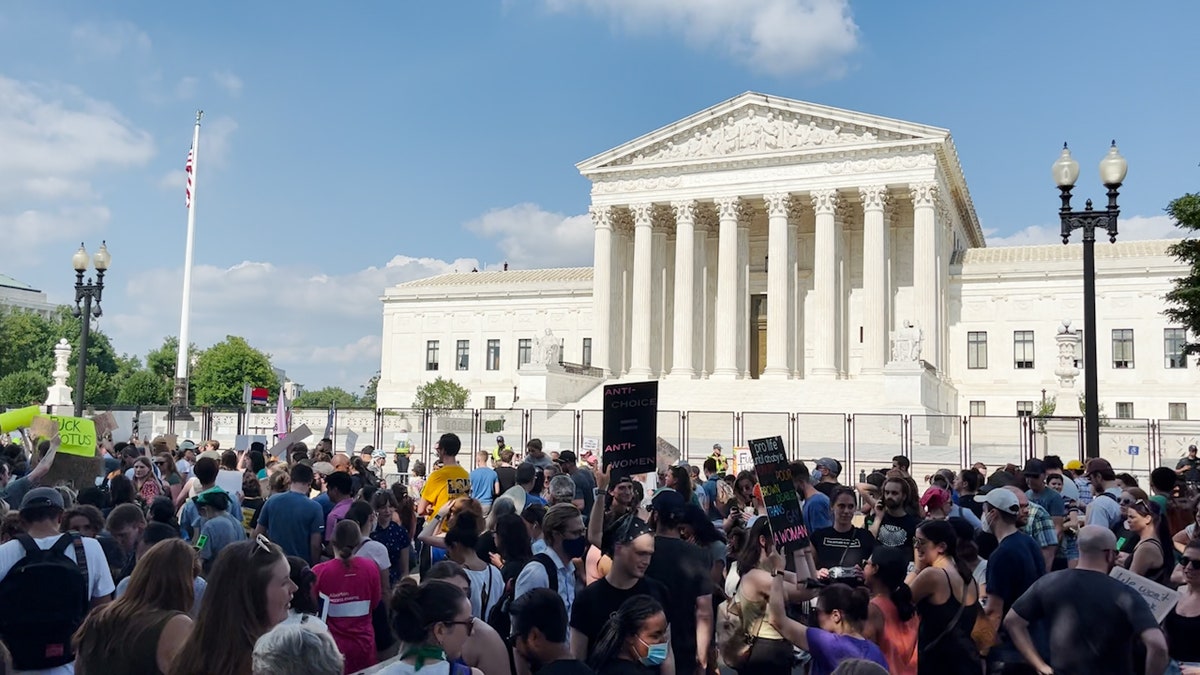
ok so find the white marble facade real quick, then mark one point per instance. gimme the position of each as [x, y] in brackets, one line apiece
[767, 249]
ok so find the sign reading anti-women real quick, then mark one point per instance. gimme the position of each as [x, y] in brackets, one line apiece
[630, 428]
[779, 494]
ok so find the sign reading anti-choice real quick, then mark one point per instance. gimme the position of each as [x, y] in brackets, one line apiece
[779, 494]
[630, 428]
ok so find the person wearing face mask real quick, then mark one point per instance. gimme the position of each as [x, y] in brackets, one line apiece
[635, 641]
[566, 541]
[684, 568]
[540, 637]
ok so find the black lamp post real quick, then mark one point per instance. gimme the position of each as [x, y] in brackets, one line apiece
[1112, 174]
[85, 292]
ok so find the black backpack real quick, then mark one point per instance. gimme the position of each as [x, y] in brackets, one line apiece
[44, 599]
[500, 617]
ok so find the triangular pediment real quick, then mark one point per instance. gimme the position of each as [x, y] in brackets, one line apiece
[756, 124]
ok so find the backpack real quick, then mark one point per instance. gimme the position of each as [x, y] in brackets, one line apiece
[500, 617]
[44, 599]
[735, 638]
[1119, 526]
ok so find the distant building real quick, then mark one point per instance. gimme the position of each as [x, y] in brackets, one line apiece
[19, 295]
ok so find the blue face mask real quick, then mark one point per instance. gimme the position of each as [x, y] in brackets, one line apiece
[655, 654]
[575, 548]
[817, 474]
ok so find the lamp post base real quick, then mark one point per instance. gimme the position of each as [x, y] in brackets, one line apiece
[179, 401]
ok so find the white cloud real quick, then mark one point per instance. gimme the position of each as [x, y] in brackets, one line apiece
[232, 84]
[1134, 228]
[110, 39]
[780, 37]
[315, 326]
[186, 87]
[530, 237]
[26, 232]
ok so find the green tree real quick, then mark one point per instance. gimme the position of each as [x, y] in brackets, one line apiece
[1184, 297]
[222, 369]
[323, 398]
[441, 395]
[144, 387]
[22, 388]
[29, 341]
[161, 361]
[367, 400]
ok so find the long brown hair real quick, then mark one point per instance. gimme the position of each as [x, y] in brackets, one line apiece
[233, 614]
[162, 580]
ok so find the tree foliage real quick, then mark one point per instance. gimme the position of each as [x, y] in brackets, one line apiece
[24, 387]
[143, 387]
[368, 398]
[222, 370]
[323, 398]
[1183, 300]
[441, 395]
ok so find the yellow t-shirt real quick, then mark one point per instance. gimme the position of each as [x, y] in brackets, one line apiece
[448, 482]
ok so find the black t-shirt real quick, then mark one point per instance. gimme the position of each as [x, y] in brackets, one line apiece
[485, 546]
[1093, 620]
[968, 502]
[597, 601]
[1012, 569]
[507, 476]
[584, 484]
[566, 667]
[684, 569]
[827, 489]
[898, 532]
[1193, 468]
[842, 549]
[623, 667]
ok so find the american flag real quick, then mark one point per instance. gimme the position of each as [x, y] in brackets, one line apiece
[188, 169]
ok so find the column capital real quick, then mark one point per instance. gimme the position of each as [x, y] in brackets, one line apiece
[923, 194]
[777, 203]
[729, 207]
[874, 197]
[602, 217]
[643, 214]
[685, 211]
[745, 215]
[825, 202]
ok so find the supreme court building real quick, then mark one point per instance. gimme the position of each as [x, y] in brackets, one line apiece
[772, 254]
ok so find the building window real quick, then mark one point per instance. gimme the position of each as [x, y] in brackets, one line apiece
[524, 351]
[587, 352]
[1024, 408]
[489, 402]
[1124, 410]
[1122, 347]
[1023, 349]
[462, 357]
[431, 355]
[1173, 341]
[493, 355]
[977, 349]
[1177, 411]
[978, 409]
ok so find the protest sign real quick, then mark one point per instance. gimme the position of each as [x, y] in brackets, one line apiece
[105, 425]
[1160, 598]
[78, 435]
[630, 428]
[779, 494]
[667, 454]
[742, 461]
[18, 418]
[74, 467]
[351, 442]
[294, 436]
[230, 481]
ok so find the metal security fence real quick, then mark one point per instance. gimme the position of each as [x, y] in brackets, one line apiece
[861, 441]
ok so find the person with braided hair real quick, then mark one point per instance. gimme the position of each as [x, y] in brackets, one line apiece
[353, 587]
[634, 640]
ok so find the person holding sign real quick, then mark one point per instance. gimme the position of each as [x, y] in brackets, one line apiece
[1183, 622]
[1115, 614]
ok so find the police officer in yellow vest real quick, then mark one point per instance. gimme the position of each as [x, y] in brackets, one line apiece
[716, 457]
[499, 449]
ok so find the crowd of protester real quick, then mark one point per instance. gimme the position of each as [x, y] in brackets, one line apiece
[540, 563]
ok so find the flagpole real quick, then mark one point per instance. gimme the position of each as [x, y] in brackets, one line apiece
[180, 403]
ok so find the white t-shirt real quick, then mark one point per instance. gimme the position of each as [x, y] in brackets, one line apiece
[401, 668]
[489, 578]
[99, 578]
[376, 552]
[184, 467]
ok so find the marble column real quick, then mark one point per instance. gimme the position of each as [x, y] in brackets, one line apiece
[658, 305]
[925, 268]
[825, 269]
[796, 326]
[642, 291]
[602, 287]
[875, 285]
[779, 265]
[682, 365]
[743, 297]
[725, 365]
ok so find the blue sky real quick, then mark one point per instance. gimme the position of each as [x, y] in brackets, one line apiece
[344, 151]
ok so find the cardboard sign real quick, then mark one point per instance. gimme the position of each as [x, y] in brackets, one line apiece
[294, 436]
[667, 454]
[78, 435]
[630, 428]
[243, 442]
[1160, 598]
[779, 493]
[105, 424]
[230, 481]
[76, 469]
[742, 460]
[351, 442]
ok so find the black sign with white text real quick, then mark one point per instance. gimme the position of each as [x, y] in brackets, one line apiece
[779, 494]
[630, 428]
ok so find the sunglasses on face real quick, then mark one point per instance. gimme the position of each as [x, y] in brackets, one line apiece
[1193, 563]
[469, 623]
